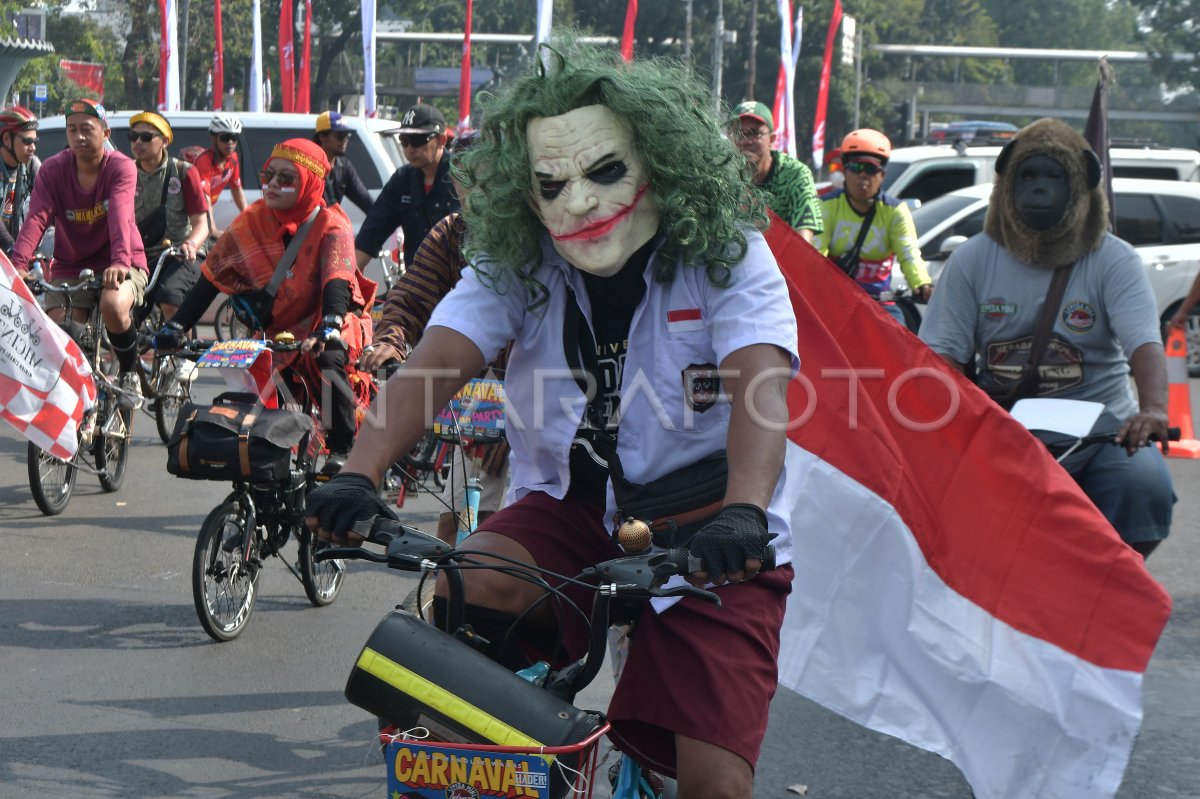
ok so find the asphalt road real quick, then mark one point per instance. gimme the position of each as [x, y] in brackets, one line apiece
[110, 688]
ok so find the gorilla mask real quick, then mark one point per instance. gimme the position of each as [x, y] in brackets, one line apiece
[1048, 207]
[1041, 193]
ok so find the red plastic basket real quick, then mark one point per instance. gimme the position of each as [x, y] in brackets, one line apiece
[587, 752]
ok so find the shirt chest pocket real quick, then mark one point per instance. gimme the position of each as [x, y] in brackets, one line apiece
[687, 382]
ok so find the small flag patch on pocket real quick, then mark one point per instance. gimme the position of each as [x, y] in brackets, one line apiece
[684, 320]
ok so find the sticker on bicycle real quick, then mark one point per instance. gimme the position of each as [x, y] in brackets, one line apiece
[236, 354]
[476, 413]
[432, 770]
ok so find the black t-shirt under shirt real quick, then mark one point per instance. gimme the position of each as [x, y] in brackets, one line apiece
[613, 300]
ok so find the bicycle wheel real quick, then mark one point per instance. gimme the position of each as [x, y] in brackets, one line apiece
[322, 580]
[227, 326]
[224, 585]
[170, 393]
[50, 479]
[112, 444]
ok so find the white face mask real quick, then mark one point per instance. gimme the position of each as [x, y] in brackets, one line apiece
[590, 188]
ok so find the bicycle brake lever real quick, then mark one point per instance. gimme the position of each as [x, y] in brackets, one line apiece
[686, 590]
[348, 553]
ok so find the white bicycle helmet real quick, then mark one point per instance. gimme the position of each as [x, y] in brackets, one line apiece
[225, 123]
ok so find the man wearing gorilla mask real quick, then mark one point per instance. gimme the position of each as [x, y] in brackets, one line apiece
[1046, 235]
[612, 263]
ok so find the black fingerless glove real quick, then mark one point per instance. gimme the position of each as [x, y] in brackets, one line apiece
[738, 532]
[346, 499]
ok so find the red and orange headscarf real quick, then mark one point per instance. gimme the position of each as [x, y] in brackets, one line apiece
[313, 166]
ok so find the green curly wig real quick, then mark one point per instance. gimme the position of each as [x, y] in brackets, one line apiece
[702, 184]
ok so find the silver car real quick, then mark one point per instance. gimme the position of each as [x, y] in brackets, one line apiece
[1160, 218]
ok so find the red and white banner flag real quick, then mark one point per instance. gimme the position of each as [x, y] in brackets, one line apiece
[627, 34]
[87, 74]
[464, 80]
[168, 65]
[835, 21]
[368, 37]
[218, 70]
[954, 587]
[784, 109]
[45, 382]
[287, 55]
[304, 79]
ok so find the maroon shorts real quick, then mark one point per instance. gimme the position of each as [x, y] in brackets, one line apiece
[696, 670]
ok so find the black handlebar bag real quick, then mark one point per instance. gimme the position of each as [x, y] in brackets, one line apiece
[235, 438]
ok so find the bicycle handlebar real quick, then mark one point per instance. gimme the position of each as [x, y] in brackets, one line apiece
[88, 281]
[632, 576]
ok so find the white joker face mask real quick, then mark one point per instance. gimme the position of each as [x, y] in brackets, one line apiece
[590, 188]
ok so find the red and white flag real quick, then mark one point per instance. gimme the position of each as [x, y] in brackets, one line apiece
[304, 79]
[627, 34]
[218, 70]
[464, 80]
[45, 382]
[835, 22]
[784, 109]
[954, 587]
[287, 56]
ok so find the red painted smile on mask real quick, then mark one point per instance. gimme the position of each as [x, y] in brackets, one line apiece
[602, 227]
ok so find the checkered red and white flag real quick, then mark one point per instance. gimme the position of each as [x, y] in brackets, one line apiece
[45, 381]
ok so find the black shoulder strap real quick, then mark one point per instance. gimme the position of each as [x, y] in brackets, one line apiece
[172, 168]
[1026, 386]
[849, 260]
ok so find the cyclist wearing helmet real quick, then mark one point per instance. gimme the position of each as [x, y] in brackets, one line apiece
[867, 231]
[170, 206]
[18, 166]
[219, 165]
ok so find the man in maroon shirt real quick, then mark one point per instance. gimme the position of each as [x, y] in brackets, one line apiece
[86, 192]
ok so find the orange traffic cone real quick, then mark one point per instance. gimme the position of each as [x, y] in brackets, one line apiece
[1179, 398]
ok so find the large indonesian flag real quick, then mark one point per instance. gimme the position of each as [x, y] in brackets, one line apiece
[45, 382]
[954, 588]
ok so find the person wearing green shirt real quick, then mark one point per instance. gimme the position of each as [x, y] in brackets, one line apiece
[791, 191]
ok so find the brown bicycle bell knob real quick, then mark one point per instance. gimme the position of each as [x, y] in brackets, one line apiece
[634, 536]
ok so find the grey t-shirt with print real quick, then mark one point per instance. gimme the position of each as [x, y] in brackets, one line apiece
[987, 304]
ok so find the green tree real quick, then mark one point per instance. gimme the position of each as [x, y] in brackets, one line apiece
[1168, 28]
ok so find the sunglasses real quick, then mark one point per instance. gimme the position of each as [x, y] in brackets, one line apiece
[282, 178]
[143, 136]
[416, 139]
[228, 137]
[28, 140]
[750, 135]
[861, 168]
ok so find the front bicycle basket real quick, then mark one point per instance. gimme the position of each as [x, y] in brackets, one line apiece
[416, 677]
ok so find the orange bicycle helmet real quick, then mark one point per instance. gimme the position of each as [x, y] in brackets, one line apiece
[866, 142]
[17, 117]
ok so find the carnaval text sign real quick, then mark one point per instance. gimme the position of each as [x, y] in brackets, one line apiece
[476, 412]
[437, 771]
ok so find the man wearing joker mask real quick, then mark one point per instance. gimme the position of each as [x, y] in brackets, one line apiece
[653, 339]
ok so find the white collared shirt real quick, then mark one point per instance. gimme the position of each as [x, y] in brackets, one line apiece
[687, 323]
